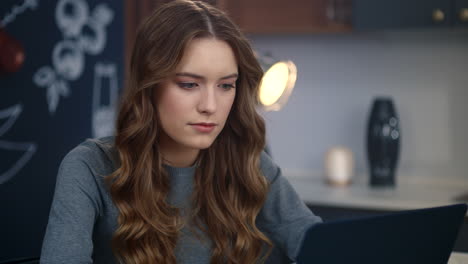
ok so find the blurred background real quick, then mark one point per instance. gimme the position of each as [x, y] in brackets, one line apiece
[62, 65]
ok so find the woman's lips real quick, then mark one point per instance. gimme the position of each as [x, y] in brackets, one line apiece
[203, 127]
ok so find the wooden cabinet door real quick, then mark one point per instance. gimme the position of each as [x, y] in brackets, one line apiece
[258, 16]
[288, 16]
[460, 13]
[398, 14]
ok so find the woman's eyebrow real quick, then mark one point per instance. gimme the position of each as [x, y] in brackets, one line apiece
[234, 75]
[192, 75]
[196, 76]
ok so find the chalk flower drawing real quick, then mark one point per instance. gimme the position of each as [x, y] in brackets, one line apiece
[68, 55]
[27, 148]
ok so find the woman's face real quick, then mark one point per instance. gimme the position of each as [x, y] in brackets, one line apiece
[194, 103]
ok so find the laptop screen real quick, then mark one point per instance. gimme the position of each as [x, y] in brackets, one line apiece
[415, 236]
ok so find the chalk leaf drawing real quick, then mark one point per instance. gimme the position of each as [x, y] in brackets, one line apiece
[56, 87]
[84, 32]
[27, 149]
[104, 115]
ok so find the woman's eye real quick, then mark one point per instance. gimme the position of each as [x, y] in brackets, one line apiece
[187, 85]
[227, 86]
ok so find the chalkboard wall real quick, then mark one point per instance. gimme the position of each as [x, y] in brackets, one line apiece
[65, 92]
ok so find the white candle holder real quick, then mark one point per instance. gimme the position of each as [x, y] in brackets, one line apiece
[339, 166]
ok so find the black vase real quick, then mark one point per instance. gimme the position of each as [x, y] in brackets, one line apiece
[383, 142]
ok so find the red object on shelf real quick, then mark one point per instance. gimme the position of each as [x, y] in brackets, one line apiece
[11, 53]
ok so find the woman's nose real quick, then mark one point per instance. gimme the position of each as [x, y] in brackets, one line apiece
[208, 101]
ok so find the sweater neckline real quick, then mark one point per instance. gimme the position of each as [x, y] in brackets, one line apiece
[180, 170]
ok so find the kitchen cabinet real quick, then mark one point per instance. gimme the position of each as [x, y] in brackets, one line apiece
[271, 16]
[460, 13]
[259, 16]
[401, 14]
[317, 16]
[289, 16]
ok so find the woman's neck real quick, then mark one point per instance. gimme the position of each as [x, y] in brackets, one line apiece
[176, 155]
[179, 159]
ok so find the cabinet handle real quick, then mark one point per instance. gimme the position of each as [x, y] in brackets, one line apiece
[331, 10]
[464, 14]
[438, 15]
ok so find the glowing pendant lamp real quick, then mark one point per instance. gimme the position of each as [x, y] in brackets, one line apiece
[277, 84]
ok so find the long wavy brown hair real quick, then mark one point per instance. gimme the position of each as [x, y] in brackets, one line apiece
[229, 188]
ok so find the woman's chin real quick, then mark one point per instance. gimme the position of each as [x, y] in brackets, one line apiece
[203, 146]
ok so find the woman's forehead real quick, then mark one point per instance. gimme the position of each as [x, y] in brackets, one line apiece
[207, 57]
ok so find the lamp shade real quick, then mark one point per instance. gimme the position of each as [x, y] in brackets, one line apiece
[277, 84]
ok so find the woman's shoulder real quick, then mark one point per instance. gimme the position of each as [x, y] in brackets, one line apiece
[268, 167]
[98, 154]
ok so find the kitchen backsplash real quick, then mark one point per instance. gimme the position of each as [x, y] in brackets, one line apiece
[426, 72]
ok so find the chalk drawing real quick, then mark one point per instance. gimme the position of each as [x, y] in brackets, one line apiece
[104, 114]
[28, 148]
[99, 19]
[84, 33]
[11, 114]
[17, 10]
[71, 15]
[56, 87]
[68, 60]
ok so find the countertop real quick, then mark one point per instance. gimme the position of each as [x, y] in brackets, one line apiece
[409, 193]
[458, 258]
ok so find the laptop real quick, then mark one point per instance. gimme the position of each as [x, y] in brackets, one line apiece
[414, 236]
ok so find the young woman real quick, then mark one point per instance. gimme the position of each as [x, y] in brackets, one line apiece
[185, 179]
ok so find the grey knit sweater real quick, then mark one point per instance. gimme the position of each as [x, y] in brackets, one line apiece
[83, 217]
